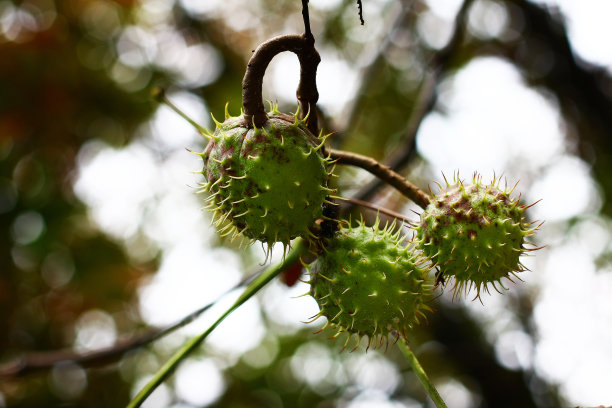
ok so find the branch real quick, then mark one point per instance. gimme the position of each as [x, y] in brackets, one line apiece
[384, 173]
[35, 362]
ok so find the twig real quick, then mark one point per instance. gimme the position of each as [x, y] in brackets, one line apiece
[382, 172]
[360, 8]
[35, 362]
[159, 94]
[379, 209]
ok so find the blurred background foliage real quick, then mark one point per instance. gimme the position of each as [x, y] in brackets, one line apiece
[75, 83]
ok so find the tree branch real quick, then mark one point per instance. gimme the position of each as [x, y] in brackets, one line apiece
[40, 361]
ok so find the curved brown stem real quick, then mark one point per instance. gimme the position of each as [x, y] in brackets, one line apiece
[382, 172]
[307, 94]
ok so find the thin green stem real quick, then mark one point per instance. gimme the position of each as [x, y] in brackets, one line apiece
[259, 282]
[421, 375]
[159, 94]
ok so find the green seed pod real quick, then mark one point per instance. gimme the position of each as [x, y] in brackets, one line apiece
[368, 282]
[475, 233]
[267, 183]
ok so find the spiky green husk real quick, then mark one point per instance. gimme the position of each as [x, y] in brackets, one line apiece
[267, 183]
[368, 282]
[475, 233]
